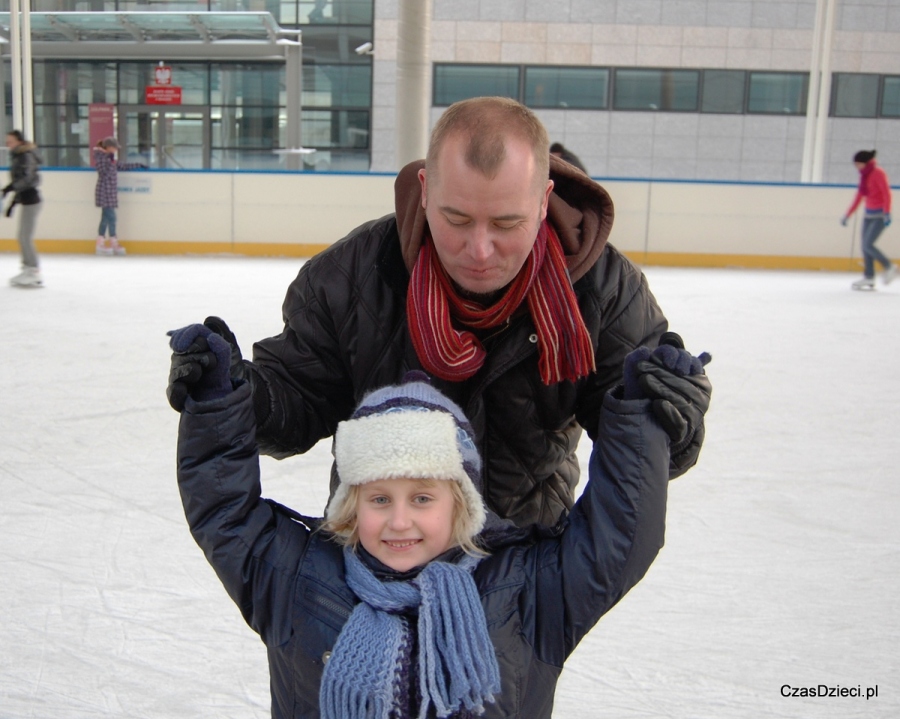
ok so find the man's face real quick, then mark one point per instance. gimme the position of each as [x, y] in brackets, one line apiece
[405, 523]
[483, 229]
[11, 142]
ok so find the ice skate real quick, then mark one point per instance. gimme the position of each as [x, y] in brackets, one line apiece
[28, 277]
[117, 249]
[889, 274]
[102, 247]
[867, 284]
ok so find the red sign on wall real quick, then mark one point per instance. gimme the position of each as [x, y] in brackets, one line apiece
[163, 95]
[101, 123]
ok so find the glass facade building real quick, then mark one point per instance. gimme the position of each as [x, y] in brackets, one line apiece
[233, 110]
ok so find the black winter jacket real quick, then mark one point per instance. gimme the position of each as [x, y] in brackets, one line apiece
[24, 174]
[346, 333]
[540, 597]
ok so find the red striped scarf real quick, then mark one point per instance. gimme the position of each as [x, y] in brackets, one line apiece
[566, 352]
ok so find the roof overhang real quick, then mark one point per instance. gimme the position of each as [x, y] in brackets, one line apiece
[154, 35]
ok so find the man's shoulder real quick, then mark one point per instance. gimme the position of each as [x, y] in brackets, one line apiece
[363, 241]
[373, 247]
[610, 275]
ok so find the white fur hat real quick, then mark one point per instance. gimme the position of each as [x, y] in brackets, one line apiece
[410, 431]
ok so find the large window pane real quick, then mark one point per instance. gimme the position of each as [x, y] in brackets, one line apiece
[336, 44]
[66, 128]
[246, 127]
[570, 87]
[337, 85]
[247, 84]
[890, 102]
[656, 90]
[723, 91]
[347, 12]
[855, 95]
[460, 82]
[79, 82]
[777, 93]
[339, 129]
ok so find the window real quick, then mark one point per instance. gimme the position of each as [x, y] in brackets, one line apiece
[460, 82]
[854, 95]
[723, 91]
[567, 87]
[778, 93]
[656, 90]
[337, 85]
[890, 99]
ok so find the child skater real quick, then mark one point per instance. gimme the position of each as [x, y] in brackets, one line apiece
[397, 604]
[106, 195]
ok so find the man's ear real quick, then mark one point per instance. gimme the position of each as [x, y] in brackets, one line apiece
[546, 200]
[424, 182]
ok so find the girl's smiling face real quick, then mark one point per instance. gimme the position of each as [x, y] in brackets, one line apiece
[405, 523]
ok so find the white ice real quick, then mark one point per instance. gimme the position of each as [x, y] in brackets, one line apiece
[781, 557]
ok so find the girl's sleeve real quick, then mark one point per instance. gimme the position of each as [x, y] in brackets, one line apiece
[254, 550]
[854, 204]
[613, 533]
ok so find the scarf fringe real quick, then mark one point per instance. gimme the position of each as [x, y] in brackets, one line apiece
[454, 644]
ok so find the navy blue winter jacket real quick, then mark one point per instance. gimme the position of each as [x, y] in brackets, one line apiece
[540, 596]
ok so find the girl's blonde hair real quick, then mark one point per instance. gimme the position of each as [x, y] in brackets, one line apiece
[342, 519]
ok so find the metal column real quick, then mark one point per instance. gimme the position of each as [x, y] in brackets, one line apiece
[413, 80]
[819, 96]
[293, 53]
[20, 60]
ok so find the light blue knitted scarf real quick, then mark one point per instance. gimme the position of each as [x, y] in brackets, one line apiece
[457, 666]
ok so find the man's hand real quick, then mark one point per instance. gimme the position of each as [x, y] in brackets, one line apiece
[201, 363]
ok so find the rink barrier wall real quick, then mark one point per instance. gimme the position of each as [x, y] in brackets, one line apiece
[276, 214]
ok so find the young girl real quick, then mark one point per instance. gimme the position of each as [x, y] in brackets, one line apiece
[397, 604]
[106, 195]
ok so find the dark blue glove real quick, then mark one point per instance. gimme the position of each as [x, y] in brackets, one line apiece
[631, 376]
[677, 383]
[679, 390]
[201, 365]
[236, 363]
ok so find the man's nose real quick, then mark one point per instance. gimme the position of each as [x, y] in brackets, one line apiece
[481, 243]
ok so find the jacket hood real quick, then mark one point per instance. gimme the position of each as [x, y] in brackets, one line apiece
[580, 211]
[24, 147]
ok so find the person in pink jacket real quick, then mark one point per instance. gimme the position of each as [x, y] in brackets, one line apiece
[875, 188]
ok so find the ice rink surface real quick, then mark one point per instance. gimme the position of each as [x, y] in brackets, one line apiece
[782, 559]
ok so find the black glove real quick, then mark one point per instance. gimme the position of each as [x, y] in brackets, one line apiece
[680, 390]
[200, 366]
[10, 208]
[7, 189]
